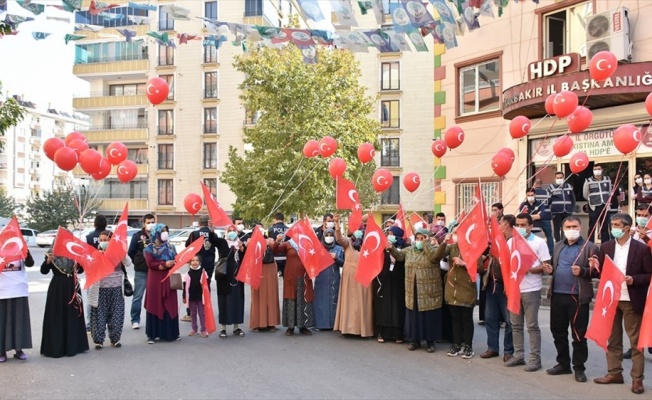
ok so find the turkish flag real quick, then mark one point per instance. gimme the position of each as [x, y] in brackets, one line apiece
[355, 219]
[186, 255]
[313, 255]
[522, 258]
[645, 335]
[12, 244]
[416, 219]
[251, 268]
[215, 211]
[473, 239]
[208, 305]
[346, 194]
[607, 298]
[500, 250]
[117, 249]
[96, 265]
[400, 221]
[372, 254]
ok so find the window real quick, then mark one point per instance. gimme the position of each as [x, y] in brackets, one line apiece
[210, 85]
[170, 81]
[386, 6]
[210, 155]
[210, 9]
[564, 31]
[393, 194]
[165, 55]
[479, 87]
[166, 122]
[116, 17]
[210, 120]
[390, 154]
[139, 156]
[165, 21]
[165, 192]
[211, 184]
[251, 118]
[390, 78]
[390, 114]
[109, 52]
[165, 156]
[210, 54]
[112, 188]
[253, 8]
[465, 193]
[131, 89]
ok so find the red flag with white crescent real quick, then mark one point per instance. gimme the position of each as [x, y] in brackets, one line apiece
[472, 238]
[186, 255]
[372, 254]
[96, 265]
[346, 194]
[208, 304]
[355, 219]
[500, 250]
[215, 211]
[12, 244]
[645, 335]
[313, 255]
[606, 302]
[521, 260]
[400, 222]
[117, 248]
[251, 267]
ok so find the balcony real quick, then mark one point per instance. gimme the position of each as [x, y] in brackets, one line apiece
[106, 100]
[112, 65]
[138, 133]
[141, 30]
[118, 204]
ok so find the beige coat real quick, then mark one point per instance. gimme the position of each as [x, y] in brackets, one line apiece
[421, 267]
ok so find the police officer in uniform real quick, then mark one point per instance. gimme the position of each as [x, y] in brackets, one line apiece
[597, 190]
[562, 203]
[279, 228]
[211, 243]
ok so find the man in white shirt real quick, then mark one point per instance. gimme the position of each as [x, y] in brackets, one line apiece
[530, 300]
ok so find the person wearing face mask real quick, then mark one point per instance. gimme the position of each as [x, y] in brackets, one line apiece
[570, 294]
[423, 291]
[644, 194]
[264, 313]
[642, 233]
[389, 293]
[540, 215]
[137, 245]
[597, 191]
[327, 223]
[638, 182]
[230, 291]
[327, 284]
[161, 302]
[634, 260]
[279, 228]
[562, 203]
[438, 228]
[354, 315]
[107, 301]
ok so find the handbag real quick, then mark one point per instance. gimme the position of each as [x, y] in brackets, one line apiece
[220, 268]
[128, 288]
[175, 281]
[268, 258]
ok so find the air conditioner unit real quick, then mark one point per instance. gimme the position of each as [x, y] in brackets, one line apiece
[609, 31]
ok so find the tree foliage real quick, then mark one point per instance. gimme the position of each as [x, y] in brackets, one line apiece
[11, 113]
[8, 206]
[64, 205]
[298, 102]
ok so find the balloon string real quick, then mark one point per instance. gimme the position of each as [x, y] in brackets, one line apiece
[285, 188]
[359, 174]
[295, 189]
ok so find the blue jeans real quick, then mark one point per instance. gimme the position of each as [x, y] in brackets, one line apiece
[495, 311]
[140, 281]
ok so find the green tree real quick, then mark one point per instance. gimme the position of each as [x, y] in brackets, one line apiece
[8, 206]
[64, 205]
[297, 102]
[11, 113]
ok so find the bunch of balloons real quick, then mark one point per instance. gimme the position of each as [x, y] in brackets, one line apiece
[502, 161]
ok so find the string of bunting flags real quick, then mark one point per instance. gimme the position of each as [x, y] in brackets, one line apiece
[411, 20]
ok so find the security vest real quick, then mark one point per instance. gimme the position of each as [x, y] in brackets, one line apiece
[541, 194]
[599, 191]
[645, 192]
[562, 198]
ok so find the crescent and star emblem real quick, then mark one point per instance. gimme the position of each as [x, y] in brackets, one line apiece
[71, 245]
[15, 240]
[608, 285]
[516, 254]
[375, 236]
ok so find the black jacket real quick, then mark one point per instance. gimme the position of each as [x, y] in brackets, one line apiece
[139, 241]
[207, 252]
[93, 238]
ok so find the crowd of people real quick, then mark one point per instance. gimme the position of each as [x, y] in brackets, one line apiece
[423, 295]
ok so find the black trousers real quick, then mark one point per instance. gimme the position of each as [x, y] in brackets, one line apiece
[462, 321]
[605, 223]
[482, 301]
[566, 311]
[557, 222]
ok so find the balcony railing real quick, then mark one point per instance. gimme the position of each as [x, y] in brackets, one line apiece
[165, 130]
[210, 128]
[107, 93]
[210, 93]
[105, 126]
[108, 59]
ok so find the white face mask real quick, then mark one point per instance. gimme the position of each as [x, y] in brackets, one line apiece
[530, 199]
[240, 227]
[647, 181]
[441, 222]
[149, 227]
[329, 239]
[597, 172]
[164, 236]
[571, 234]
[559, 181]
[638, 180]
[330, 225]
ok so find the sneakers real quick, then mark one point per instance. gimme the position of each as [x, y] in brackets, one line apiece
[135, 325]
[116, 345]
[468, 352]
[454, 351]
[150, 341]
[192, 333]
[204, 334]
[533, 366]
[514, 362]
[186, 318]
[98, 346]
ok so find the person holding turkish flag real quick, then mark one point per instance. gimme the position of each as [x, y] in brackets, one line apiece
[634, 260]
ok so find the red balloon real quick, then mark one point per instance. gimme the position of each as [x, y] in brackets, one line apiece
[549, 100]
[366, 152]
[311, 148]
[127, 171]
[192, 202]
[65, 158]
[336, 167]
[74, 136]
[439, 148]
[89, 160]
[382, 180]
[79, 146]
[578, 162]
[602, 65]
[648, 104]
[411, 181]
[627, 138]
[116, 153]
[519, 127]
[157, 90]
[579, 120]
[51, 146]
[454, 137]
[104, 170]
[563, 146]
[327, 146]
[509, 152]
[501, 164]
[565, 103]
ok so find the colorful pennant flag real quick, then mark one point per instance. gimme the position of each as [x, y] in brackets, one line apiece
[400, 17]
[310, 10]
[343, 12]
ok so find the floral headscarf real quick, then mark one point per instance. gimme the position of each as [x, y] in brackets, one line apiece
[163, 252]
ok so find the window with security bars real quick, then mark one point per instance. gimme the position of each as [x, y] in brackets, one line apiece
[465, 194]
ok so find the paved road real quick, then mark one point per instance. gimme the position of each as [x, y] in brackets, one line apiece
[270, 365]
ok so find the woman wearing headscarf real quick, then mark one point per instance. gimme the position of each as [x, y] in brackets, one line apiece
[265, 311]
[15, 328]
[64, 327]
[161, 301]
[355, 303]
[389, 293]
[230, 291]
[423, 291]
[327, 284]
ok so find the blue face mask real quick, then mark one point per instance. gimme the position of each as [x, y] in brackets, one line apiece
[357, 234]
[418, 245]
[391, 239]
[522, 231]
[232, 236]
[642, 221]
[103, 245]
[617, 233]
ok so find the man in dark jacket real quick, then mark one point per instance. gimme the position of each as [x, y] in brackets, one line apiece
[207, 252]
[279, 228]
[139, 241]
[540, 216]
[561, 203]
[570, 294]
[93, 238]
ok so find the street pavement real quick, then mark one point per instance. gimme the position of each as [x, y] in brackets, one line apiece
[265, 365]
